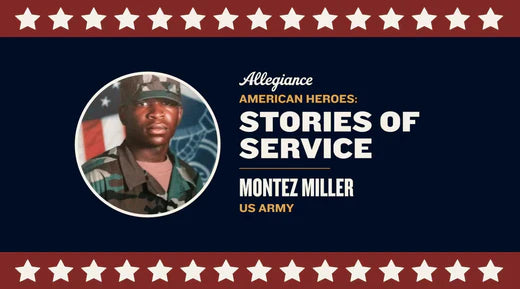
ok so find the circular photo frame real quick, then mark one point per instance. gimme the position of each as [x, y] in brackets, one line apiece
[147, 144]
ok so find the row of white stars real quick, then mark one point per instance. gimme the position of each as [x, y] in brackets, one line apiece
[258, 272]
[259, 19]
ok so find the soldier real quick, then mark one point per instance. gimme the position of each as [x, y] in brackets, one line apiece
[142, 175]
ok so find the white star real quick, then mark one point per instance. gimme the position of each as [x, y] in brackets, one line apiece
[325, 19]
[424, 19]
[259, 19]
[391, 271]
[291, 19]
[325, 271]
[60, 271]
[159, 271]
[457, 271]
[192, 271]
[60, 19]
[105, 101]
[27, 271]
[424, 271]
[490, 271]
[391, 19]
[457, 19]
[490, 19]
[27, 19]
[358, 271]
[160, 19]
[93, 19]
[126, 271]
[225, 19]
[93, 271]
[292, 271]
[193, 19]
[358, 19]
[126, 19]
[225, 271]
[116, 85]
[259, 271]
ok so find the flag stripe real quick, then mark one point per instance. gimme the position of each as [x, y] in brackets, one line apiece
[94, 143]
[113, 131]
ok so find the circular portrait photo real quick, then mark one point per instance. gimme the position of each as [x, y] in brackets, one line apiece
[147, 144]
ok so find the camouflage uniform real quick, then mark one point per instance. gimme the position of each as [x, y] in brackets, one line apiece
[117, 177]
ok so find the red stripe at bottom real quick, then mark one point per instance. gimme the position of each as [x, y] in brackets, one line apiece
[260, 270]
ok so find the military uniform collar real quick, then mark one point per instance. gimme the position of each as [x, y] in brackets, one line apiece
[178, 183]
[135, 176]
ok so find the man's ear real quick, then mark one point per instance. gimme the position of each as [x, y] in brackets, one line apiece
[122, 114]
[181, 110]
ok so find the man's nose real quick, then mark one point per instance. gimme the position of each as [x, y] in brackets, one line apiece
[156, 109]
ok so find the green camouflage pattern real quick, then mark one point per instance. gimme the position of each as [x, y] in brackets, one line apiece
[148, 85]
[117, 178]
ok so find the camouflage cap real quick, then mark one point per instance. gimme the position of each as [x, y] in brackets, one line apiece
[147, 86]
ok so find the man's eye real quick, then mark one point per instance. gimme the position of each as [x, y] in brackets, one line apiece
[141, 104]
[167, 103]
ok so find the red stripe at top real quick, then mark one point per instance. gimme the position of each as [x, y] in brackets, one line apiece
[276, 18]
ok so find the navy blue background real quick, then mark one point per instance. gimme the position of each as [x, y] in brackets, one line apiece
[449, 185]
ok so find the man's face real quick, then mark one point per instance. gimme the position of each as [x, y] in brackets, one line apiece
[151, 122]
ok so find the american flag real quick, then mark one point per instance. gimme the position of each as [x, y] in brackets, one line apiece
[100, 127]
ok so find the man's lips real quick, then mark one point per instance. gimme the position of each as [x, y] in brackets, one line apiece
[156, 128]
